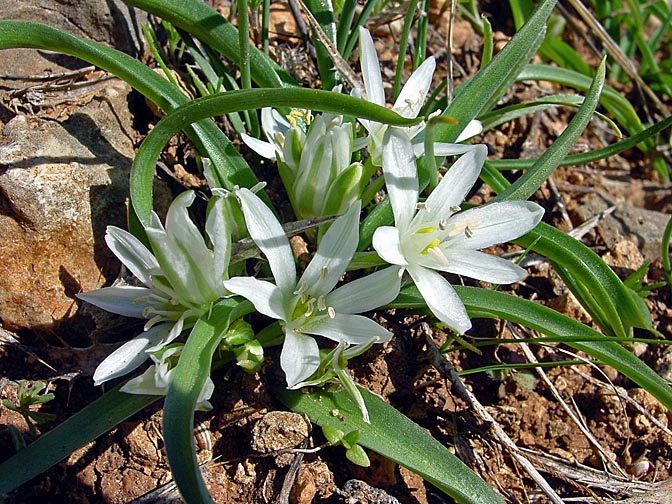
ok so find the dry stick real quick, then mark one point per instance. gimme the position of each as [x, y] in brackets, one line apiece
[340, 64]
[446, 369]
[623, 396]
[617, 53]
[576, 419]
[283, 497]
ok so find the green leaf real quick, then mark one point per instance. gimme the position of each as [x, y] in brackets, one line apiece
[206, 24]
[186, 382]
[482, 303]
[230, 167]
[532, 180]
[394, 436]
[84, 426]
[142, 171]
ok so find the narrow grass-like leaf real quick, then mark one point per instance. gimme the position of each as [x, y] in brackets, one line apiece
[590, 156]
[502, 115]
[482, 303]
[583, 264]
[83, 427]
[396, 437]
[186, 382]
[230, 167]
[323, 12]
[206, 24]
[142, 172]
[616, 104]
[483, 90]
[532, 180]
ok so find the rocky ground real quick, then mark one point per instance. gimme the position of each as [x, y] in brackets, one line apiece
[66, 145]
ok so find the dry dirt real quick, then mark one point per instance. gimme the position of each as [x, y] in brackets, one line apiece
[614, 444]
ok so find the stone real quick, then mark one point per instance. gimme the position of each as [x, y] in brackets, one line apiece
[61, 184]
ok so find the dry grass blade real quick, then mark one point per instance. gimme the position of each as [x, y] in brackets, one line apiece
[615, 52]
[606, 458]
[446, 369]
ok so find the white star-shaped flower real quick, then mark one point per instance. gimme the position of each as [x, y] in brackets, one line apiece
[309, 306]
[433, 236]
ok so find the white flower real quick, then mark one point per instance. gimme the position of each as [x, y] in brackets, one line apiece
[182, 278]
[313, 157]
[285, 141]
[156, 379]
[432, 236]
[308, 306]
[408, 104]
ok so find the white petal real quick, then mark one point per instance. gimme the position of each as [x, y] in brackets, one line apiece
[121, 300]
[266, 297]
[367, 293]
[441, 298]
[413, 94]
[478, 265]
[473, 128]
[401, 176]
[368, 59]
[497, 222]
[450, 149]
[300, 357]
[218, 227]
[354, 329]
[269, 236]
[144, 384]
[387, 243]
[130, 355]
[452, 189]
[334, 253]
[264, 149]
[131, 251]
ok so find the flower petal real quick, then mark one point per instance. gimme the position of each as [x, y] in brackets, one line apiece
[473, 128]
[218, 227]
[354, 329]
[300, 357]
[387, 243]
[334, 253]
[131, 251]
[441, 298]
[368, 59]
[452, 189]
[494, 223]
[264, 149]
[401, 176]
[478, 265]
[367, 293]
[266, 297]
[130, 355]
[413, 94]
[122, 300]
[269, 236]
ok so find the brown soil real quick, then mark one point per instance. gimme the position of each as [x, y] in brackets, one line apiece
[593, 434]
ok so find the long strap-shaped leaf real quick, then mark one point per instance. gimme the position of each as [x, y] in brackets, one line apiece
[186, 383]
[396, 437]
[532, 180]
[206, 24]
[49, 449]
[498, 305]
[142, 172]
[209, 139]
[482, 91]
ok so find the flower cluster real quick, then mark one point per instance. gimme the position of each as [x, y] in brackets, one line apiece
[183, 276]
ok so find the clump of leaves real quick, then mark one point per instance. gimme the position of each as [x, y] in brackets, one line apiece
[29, 396]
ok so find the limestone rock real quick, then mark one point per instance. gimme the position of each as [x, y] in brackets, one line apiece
[61, 184]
